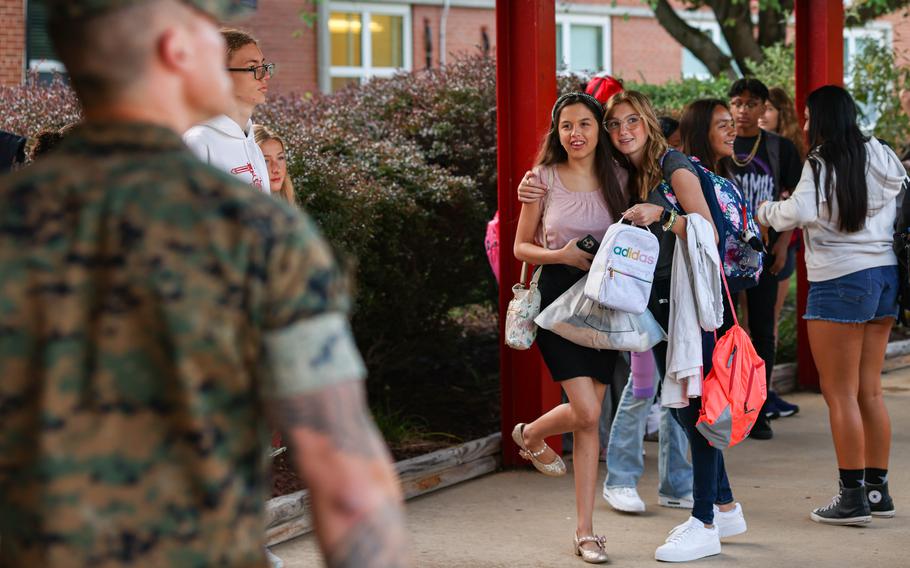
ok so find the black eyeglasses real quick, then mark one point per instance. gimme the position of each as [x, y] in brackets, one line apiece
[259, 72]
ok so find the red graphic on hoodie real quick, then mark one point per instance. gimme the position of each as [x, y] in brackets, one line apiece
[248, 168]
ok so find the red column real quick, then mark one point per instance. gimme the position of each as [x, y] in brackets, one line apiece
[819, 62]
[525, 92]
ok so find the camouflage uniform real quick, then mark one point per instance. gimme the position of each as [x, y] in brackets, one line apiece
[150, 307]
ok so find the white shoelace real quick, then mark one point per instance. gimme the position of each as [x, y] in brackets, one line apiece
[679, 532]
[832, 505]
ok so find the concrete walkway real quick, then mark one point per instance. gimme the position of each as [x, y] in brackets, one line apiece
[520, 518]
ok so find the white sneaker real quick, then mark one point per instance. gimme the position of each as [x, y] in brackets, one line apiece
[624, 499]
[730, 523]
[684, 502]
[689, 541]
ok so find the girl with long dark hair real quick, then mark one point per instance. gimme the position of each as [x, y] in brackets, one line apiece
[707, 132]
[585, 197]
[846, 201]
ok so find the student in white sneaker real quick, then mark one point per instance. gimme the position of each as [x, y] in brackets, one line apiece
[227, 141]
[707, 133]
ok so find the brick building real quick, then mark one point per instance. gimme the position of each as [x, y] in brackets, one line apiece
[325, 44]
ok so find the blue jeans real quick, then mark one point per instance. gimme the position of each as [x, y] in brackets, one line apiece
[711, 484]
[625, 463]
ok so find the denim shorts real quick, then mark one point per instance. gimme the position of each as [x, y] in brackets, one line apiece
[857, 297]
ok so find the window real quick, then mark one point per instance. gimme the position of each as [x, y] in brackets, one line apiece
[691, 65]
[855, 42]
[368, 40]
[583, 43]
[39, 53]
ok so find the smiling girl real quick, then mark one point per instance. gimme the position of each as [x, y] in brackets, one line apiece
[707, 134]
[585, 197]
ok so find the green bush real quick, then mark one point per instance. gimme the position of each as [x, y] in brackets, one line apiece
[401, 175]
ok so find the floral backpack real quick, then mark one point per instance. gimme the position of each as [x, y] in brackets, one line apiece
[732, 215]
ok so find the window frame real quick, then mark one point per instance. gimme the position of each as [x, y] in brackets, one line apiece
[367, 71]
[875, 30]
[705, 25]
[566, 21]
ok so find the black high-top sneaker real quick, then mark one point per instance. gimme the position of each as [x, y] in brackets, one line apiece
[880, 501]
[849, 507]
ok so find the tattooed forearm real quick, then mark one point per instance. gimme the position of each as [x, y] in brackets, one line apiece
[338, 412]
[356, 497]
[377, 541]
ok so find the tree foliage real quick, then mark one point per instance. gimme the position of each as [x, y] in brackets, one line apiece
[749, 28]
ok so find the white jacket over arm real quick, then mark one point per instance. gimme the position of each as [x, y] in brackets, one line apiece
[696, 304]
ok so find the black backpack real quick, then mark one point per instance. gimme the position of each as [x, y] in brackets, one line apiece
[902, 250]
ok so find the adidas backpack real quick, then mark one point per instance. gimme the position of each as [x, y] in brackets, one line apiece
[731, 214]
[623, 269]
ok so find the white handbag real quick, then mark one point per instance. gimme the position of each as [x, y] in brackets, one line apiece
[523, 308]
[575, 317]
[521, 331]
[623, 269]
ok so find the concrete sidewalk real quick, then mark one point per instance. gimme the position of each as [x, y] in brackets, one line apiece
[520, 518]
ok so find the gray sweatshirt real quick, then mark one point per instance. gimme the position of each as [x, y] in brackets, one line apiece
[831, 253]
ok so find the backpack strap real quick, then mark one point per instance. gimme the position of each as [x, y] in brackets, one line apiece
[723, 277]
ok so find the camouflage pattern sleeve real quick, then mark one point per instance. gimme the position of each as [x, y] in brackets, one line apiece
[307, 340]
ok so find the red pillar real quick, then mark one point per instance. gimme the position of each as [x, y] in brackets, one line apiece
[525, 92]
[819, 62]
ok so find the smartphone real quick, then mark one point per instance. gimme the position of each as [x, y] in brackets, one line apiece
[588, 244]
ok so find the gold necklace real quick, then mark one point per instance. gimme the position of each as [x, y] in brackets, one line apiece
[751, 154]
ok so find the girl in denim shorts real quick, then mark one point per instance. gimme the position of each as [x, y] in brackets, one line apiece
[845, 203]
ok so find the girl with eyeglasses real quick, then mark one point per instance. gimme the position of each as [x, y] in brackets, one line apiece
[707, 133]
[585, 197]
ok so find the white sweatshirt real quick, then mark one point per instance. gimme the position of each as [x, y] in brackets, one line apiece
[222, 143]
[831, 253]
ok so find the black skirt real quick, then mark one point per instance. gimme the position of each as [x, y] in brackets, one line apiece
[564, 359]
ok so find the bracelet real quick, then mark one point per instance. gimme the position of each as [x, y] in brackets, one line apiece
[670, 222]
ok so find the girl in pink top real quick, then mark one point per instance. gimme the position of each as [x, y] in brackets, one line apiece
[585, 198]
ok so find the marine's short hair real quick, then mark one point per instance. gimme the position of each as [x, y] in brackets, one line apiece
[236, 39]
[106, 51]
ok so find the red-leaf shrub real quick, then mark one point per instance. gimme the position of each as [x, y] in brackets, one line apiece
[36, 105]
[401, 175]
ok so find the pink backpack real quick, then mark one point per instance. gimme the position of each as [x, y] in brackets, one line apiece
[491, 244]
[734, 391]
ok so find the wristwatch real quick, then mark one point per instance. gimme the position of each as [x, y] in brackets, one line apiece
[665, 217]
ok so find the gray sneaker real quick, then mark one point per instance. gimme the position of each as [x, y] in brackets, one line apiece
[849, 507]
[880, 502]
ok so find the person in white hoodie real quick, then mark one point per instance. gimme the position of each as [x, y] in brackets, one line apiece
[846, 202]
[226, 141]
